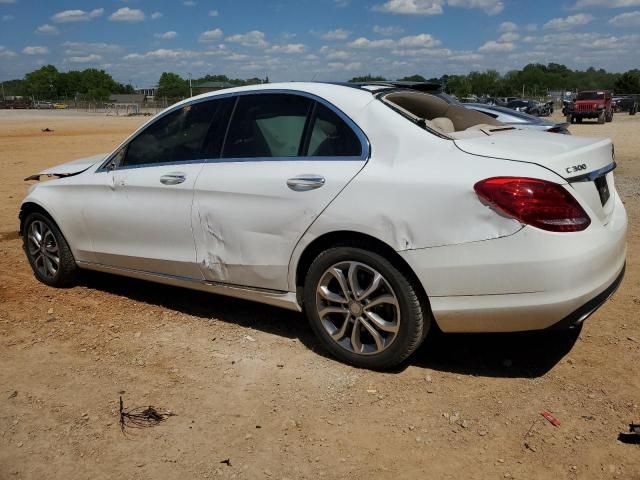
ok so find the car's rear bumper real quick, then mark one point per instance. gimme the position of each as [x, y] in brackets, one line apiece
[531, 280]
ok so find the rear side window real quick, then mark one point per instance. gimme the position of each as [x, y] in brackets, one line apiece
[331, 136]
[267, 125]
[177, 137]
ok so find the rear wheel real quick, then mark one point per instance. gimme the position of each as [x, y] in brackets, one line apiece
[609, 117]
[601, 118]
[47, 251]
[363, 309]
[569, 118]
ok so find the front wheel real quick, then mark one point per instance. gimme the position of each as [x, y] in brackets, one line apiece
[47, 251]
[363, 309]
[609, 117]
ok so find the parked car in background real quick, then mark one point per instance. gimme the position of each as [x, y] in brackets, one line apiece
[43, 105]
[519, 119]
[60, 106]
[625, 104]
[591, 104]
[526, 106]
[379, 212]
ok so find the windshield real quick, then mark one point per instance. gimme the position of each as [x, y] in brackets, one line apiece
[591, 96]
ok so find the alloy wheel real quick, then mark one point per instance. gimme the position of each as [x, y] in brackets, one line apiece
[43, 249]
[358, 308]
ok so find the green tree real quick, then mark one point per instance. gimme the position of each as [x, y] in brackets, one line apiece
[628, 82]
[367, 78]
[42, 83]
[413, 78]
[172, 85]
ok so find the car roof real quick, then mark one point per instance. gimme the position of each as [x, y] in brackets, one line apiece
[348, 99]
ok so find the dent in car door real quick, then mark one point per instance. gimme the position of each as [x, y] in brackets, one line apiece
[285, 158]
[144, 222]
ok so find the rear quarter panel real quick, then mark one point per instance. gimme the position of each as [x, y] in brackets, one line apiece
[416, 191]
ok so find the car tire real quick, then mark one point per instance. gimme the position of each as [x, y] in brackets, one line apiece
[570, 119]
[343, 323]
[48, 252]
[578, 119]
[609, 118]
[601, 118]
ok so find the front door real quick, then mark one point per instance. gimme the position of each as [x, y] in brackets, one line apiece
[143, 221]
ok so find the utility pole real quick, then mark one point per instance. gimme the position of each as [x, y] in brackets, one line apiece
[190, 87]
[3, 98]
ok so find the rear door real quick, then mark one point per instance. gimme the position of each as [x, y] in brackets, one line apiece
[285, 157]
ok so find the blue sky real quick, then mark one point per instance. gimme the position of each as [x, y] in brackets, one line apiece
[136, 40]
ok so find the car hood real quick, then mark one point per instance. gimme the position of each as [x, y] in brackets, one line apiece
[568, 156]
[70, 168]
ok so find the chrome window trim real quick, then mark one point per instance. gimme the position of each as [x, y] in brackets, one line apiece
[364, 140]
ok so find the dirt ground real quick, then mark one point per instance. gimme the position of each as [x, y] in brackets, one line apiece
[248, 383]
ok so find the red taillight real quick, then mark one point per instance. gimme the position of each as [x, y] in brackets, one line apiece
[538, 203]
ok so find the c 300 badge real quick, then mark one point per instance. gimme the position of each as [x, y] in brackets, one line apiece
[576, 168]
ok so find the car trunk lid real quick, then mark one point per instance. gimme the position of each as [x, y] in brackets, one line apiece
[585, 163]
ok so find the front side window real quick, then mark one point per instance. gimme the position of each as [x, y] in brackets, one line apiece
[267, 125]
[177, 137]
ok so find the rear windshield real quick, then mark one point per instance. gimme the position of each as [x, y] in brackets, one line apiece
[591, 96]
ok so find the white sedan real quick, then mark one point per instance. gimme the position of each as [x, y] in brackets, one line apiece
[379, 211]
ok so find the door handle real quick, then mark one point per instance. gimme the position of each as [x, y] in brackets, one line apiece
[173, 178]
[302, 183]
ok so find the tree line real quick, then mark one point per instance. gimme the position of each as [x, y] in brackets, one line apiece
[537, 79]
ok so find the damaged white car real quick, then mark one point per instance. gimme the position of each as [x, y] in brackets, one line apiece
[380, 212]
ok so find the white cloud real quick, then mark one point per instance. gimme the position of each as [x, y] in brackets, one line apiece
[156, 15]
[35, 50]
[338, 55]
[337, 34]
[47, 29]
[490, 7]
[506, 27]
[68, 16]
[363, 42]
[86, 59]
[8, 18]
[606, 3]
[411, 7]
[492, 47]
[569, 22]
[388, 31]
[211, 35]
[6, 53]
[509, 37]
[628, 19]
[254, 38]
[84, 48]
[7, 2]
[161, 53]
[166, 35]
[213, 13]
[423, 40]
[126, 14]
[288, 48]
[189, 3]
[349, 67]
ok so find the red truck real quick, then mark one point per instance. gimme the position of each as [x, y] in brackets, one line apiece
[591, 104]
